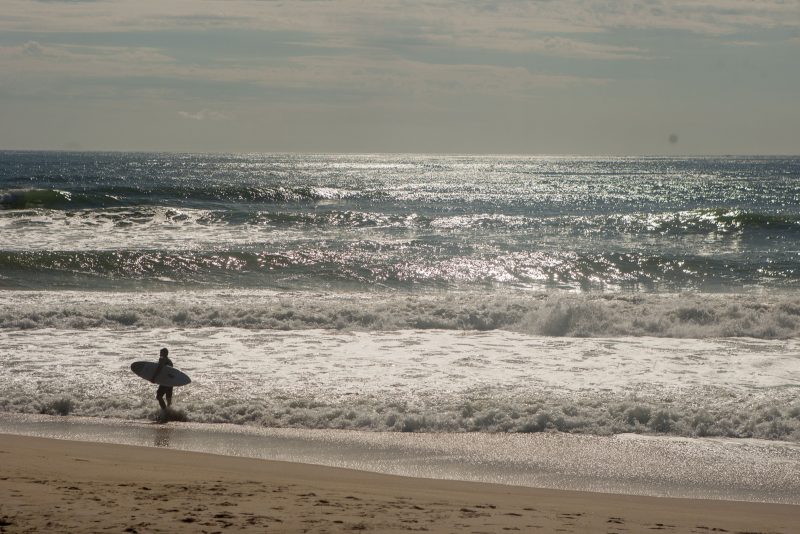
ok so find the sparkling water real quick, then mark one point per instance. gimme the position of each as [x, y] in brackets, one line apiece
[407, 292]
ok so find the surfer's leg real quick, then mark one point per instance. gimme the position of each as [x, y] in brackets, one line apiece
[160, 396]
[169, 396]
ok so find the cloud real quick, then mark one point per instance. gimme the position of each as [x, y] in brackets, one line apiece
[33, 49]
[567, 47]
[358, 48]
[746, 43]
[453, 20]
[363, 47]
[203, 114]
[311, 76]
[85, 54]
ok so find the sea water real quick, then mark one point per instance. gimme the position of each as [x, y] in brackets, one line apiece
[390, 293]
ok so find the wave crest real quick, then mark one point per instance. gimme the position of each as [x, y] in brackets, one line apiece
[584, 315]
[25, 199]
[103, 197]
[776, 419]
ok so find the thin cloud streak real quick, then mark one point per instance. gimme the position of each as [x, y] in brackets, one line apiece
[457, 21]
[363, 75]
[203, 114]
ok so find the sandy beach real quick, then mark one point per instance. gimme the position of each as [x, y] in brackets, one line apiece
[67, 486]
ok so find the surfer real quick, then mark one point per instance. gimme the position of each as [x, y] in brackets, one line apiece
[163, 360]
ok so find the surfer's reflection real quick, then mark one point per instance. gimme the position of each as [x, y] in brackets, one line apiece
[162, 436]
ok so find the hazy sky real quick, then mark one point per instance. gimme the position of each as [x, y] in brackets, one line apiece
[539, 77]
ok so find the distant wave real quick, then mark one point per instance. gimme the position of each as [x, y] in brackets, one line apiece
[137, 206]
[104, 196]
[402, 265]
[711, 220]
[216, 191]
[663, 223]
[203, 218]
[690, 222]
[688, 315]
[25, 199]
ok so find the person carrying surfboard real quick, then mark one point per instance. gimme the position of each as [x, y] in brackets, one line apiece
[163, 360]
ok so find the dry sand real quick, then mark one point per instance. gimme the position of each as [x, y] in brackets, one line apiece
[65, 486]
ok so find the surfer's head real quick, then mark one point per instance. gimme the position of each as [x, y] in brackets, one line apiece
[164, 352]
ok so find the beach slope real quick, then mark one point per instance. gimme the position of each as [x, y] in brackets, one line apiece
[67, 486]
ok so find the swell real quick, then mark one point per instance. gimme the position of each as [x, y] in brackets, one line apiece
[404, 265]
[707, 221]
[105, 196]
[687, 315]
[719, 220]
[127, 207]
[25, 199]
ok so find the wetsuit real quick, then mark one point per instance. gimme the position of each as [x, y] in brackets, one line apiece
[164, 390]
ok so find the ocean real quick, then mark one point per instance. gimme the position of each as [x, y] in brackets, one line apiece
[407, 293]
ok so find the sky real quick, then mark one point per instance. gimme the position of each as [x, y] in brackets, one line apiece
[523, 77]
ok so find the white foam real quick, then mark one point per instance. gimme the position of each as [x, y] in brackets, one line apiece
[687, 315]
[144, 228]
[418, 379]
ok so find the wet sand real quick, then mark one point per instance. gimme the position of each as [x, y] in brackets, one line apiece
[69, 486]
[690, 468]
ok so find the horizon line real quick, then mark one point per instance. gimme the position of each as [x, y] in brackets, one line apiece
[401, 153]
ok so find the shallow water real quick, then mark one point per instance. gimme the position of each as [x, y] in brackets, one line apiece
[750, 470]
[417, 380]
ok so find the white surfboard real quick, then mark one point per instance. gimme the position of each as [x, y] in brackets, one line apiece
[168, 376]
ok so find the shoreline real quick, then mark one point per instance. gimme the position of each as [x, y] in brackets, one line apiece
[697, 468]
[50, 484]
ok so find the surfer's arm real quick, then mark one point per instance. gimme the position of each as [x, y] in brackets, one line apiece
[158, 370]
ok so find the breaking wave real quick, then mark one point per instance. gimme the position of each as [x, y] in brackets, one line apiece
[103, 197]
[689, 315]
[26, 199]
[48, 206]
[739, 418]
